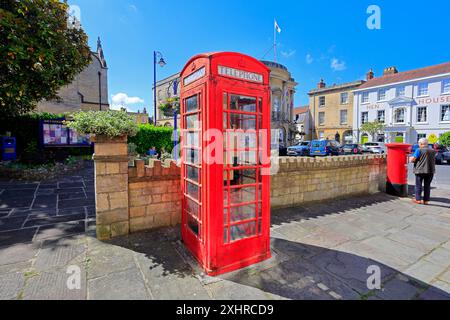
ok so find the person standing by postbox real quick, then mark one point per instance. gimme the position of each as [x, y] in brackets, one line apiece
[424, 160]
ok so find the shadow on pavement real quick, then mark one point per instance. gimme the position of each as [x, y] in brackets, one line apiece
[324, 208]
[313, 273]
[159, 247]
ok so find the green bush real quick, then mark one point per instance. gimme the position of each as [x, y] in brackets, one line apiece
[109, 123]
[445, 139]
[149, 136]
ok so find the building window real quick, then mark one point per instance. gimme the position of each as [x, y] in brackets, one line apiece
[399, 115]
[421, 136]
[381, 116]
[422, 114]
[446, 86]
[423, 89]
[344, 116]
[365, 97]
[364, 117]
[401, 92]
[344, 98]
[322, 101]
[381, 94]
[321, 118]
[445, 113]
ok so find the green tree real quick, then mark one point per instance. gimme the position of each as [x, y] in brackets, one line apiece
[372, 128]
[39, 53]
[445, 139]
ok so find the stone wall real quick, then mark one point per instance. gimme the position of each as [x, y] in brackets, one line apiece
[305, 180]
[154, 195]
[145, 197]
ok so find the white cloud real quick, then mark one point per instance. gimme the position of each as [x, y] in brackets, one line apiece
[309, 59]
[338, 65]
[132, 8]
[122, 100]
[288, 54]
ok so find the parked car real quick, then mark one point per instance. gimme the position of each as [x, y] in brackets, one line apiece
[352, 149]
[325, 148]
[446, 156]
[374, 147]
[300, 150]
[442, 154]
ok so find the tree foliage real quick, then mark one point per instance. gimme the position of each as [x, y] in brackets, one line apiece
[373, 128]
[39, 53]
[445, 139]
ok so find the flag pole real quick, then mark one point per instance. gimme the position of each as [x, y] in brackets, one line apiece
[275, 40]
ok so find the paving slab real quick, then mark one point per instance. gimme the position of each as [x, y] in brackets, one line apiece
[52, 285]
[10, 285]
[127, 284]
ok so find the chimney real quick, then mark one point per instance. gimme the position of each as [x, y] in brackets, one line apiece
[370, 75]
[321, 84]
[390, 70]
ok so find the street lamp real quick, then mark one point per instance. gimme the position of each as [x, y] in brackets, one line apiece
[156, 55]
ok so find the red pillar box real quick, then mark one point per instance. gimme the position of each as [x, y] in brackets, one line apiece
[397, 169]
[225, 112]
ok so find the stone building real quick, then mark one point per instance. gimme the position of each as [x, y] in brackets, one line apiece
[302, 119]
[332, 111]
[413, 104]
[89, 90]
[167, 88]
[283, 90]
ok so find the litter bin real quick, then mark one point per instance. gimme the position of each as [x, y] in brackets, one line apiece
[397, 169]
[8, 148]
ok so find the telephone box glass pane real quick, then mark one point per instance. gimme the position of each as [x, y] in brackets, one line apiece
[192, 139]
[193, 225]
[193, 191]
[192, 207]
[192, 122]
[243, 195]
[241, 177]
[243, 121]
[241, 213]
[247, 158]
[243, 231]
[193, 173]
[242, 103]
[192, 104]
[193, 156]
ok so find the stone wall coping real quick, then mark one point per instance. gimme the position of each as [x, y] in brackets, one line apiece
[110, 158]
[156, 170]
[108, 139]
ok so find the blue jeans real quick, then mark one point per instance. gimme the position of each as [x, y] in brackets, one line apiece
[425, 181]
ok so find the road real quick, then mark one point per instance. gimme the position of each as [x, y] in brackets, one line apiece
[441, 179]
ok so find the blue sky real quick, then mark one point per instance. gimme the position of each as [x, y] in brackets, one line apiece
[319, 39]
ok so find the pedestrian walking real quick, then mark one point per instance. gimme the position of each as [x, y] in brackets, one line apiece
[424, 160]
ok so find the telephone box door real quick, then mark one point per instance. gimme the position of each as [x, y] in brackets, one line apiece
[245, 189]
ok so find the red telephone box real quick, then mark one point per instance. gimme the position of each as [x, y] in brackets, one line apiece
[225, 119]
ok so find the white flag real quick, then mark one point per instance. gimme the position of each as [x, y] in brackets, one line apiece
[277, 27]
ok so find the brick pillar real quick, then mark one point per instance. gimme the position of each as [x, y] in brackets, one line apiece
[111, 186]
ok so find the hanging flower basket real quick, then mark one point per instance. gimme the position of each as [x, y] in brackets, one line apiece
[169, 106]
